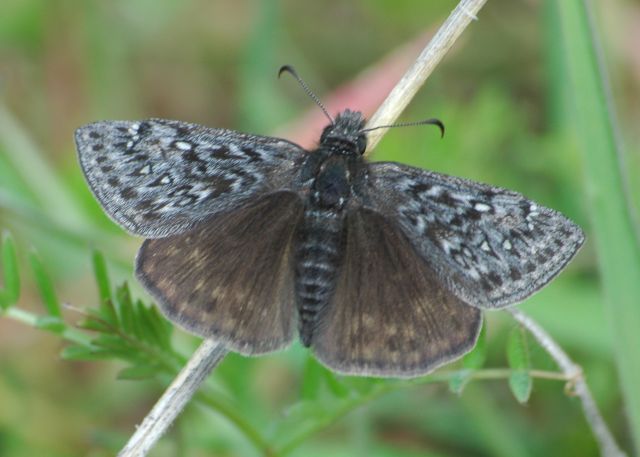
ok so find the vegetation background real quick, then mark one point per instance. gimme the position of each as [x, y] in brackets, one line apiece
[503, 95]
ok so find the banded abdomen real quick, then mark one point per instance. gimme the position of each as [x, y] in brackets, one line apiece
[318, 257]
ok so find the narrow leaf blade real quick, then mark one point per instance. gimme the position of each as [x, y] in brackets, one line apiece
[11, 292]
[519, 359]
[45, 286]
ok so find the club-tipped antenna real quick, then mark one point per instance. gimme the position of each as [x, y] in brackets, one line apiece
[289, 69]
[436, 122]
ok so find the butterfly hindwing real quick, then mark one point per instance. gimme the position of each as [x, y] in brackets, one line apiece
[491, 246]
[389, 315]
[231, 277]
[158, 177]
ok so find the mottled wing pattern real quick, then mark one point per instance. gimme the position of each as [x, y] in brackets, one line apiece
[231, 277]
[389, 315]
[159, 177]
[493, 247]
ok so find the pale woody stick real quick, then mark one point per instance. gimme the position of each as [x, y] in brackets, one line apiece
[174, 399]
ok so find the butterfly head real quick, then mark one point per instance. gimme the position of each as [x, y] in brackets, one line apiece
[344, 135]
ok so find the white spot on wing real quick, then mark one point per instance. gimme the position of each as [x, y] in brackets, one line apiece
[183, 145]
[434, 191]
[482, 207]
[446, 245]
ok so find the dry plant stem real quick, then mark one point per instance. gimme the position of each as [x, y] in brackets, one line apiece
[606, 441]
[414, 78]
[174, 399]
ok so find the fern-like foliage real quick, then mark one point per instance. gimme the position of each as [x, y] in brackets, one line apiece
[119, 327]
[126, 329]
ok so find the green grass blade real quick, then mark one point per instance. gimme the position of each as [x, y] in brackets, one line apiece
[10, 292]
[614, 233]
[45, 286]
[102, 276]
[54, 197]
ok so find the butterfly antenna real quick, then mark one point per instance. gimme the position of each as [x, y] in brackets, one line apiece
[289, 69]
[436, 122]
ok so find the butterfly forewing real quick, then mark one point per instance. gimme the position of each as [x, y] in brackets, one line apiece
[159, 177]
[231, 277]
[390, 316]
[491, 246]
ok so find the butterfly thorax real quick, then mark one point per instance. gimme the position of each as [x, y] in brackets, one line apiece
[320, 241]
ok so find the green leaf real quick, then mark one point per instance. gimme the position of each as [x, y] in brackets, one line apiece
[95, 323]
[521, 383]
[475, 359]
[76, 353]
[127, 320]
[45, 286]
[472, 361]
[102, 277]
[147, 332]
[334, 384]
[117, 347]
[139, 371]
[519, 359]
[108, 312]
[311, 379]
[363, 385]
[11, 292]
[459, 380]
[518, 349]
[51, 323]
[302, 416]
[85, 353]
[123, 300]
[152, 325]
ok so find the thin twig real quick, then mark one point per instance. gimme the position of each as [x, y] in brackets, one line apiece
[414, 78]
[606, 441]
[174, 399]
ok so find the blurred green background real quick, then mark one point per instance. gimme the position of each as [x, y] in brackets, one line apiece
[504, 95]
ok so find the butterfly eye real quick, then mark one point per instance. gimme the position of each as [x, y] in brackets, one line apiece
[327, 130]
[361, 143]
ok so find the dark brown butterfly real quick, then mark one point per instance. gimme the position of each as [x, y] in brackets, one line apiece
[382, 269]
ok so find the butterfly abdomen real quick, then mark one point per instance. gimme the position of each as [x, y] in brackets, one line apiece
[318, 256]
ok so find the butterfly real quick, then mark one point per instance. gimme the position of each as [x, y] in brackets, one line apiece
[382, 269]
